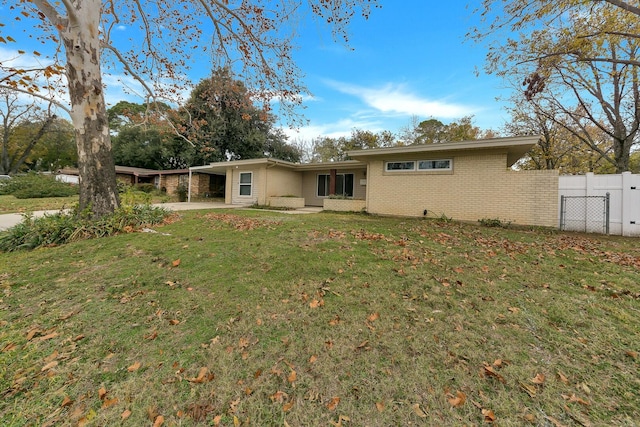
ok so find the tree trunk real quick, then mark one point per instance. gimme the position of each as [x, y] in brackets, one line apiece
[98, 189]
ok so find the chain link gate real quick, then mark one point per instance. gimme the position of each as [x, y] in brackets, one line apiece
[588, 214]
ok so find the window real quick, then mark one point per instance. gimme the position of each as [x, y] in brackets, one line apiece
[246, 179]
[434, 164]
[401, 166]
[422, 165]
[344, 184]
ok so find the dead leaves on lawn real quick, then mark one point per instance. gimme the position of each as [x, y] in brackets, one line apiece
[240, 223]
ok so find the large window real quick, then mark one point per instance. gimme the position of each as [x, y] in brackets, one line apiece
[344, 184]
[420, 165]
[246, 179]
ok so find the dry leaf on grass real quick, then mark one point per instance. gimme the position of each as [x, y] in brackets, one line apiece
[418, 411]
[458, 400]
[538, 379]
[333, 403]
[380, 406]
[125, 414]
[134, 367]
[489, 416]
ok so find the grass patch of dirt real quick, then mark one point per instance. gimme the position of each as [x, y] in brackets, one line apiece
[260, 318]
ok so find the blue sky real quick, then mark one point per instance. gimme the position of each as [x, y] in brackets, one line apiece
[410, 58]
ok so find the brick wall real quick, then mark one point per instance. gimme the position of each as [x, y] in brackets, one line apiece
[479, 186]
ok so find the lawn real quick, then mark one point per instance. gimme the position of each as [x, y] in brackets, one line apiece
[10, 204]
[261, 318]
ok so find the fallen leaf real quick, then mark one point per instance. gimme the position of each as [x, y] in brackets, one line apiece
[9, 347]
[48, 336]
[287, 406]
[278, 396]
[373, 317]
[152, 336]
[554, 421]
[32, 333]
[202, 376]
[333, 403]
[341, 418]
[176, 263]
[217, 420]
[125, 414]
[563, 378]
[236, 421]
[380, 406]
[66, 402]
[538, 379]
[102, 393]
[292, 377]
[514, 310]
[418, 411]
[313, 359]
[158, 421]
[632, 354]
[529, 389]
[109, 403]
[174, 322]
[489, 371]
[458, 400]
[489, 416]
[49, 365]
[576, 399]
[134, 367]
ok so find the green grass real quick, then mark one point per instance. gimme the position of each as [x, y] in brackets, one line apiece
[10, 204]
[265, 318]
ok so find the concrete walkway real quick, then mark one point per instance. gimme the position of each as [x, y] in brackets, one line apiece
[12, 219]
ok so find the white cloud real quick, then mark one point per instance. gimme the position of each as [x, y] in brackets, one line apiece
[395, 98]
[332, 130]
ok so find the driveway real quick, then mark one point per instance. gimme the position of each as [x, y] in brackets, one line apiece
[9, 220]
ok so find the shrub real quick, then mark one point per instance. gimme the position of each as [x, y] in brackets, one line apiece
[34, 186]
[146, 187]
[494, 222]
[64, 227]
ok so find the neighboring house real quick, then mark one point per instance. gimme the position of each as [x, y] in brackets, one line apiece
[166, 180]
[467, 181]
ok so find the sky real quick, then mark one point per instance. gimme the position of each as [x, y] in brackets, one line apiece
[409, 60]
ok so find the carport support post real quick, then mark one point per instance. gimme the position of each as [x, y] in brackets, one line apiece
[189, 188]
[332, 182]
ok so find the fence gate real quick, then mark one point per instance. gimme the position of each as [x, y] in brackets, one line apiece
[589, 214]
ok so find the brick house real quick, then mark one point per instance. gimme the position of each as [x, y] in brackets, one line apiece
[467, 181]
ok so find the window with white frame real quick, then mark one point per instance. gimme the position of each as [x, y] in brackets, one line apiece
[443, 164]
[246, 180]
[401, 166]
[419, 165]
[344, 184]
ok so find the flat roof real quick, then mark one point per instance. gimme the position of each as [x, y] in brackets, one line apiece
[516, 147]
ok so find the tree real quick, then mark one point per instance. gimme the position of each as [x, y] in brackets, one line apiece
[327, 149]
[56, 149]
[257, 34]
[433, 131]
[558, 147]
[23, 127]
[580, 65]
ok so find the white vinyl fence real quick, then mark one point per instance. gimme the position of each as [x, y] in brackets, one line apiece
[584, 195]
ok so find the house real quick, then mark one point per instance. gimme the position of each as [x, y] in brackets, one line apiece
[166, 180]
[467, 181]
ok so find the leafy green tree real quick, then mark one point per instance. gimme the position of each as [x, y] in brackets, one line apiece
[433, 131]
[327, 149]
[223, 123]
[56, 149]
